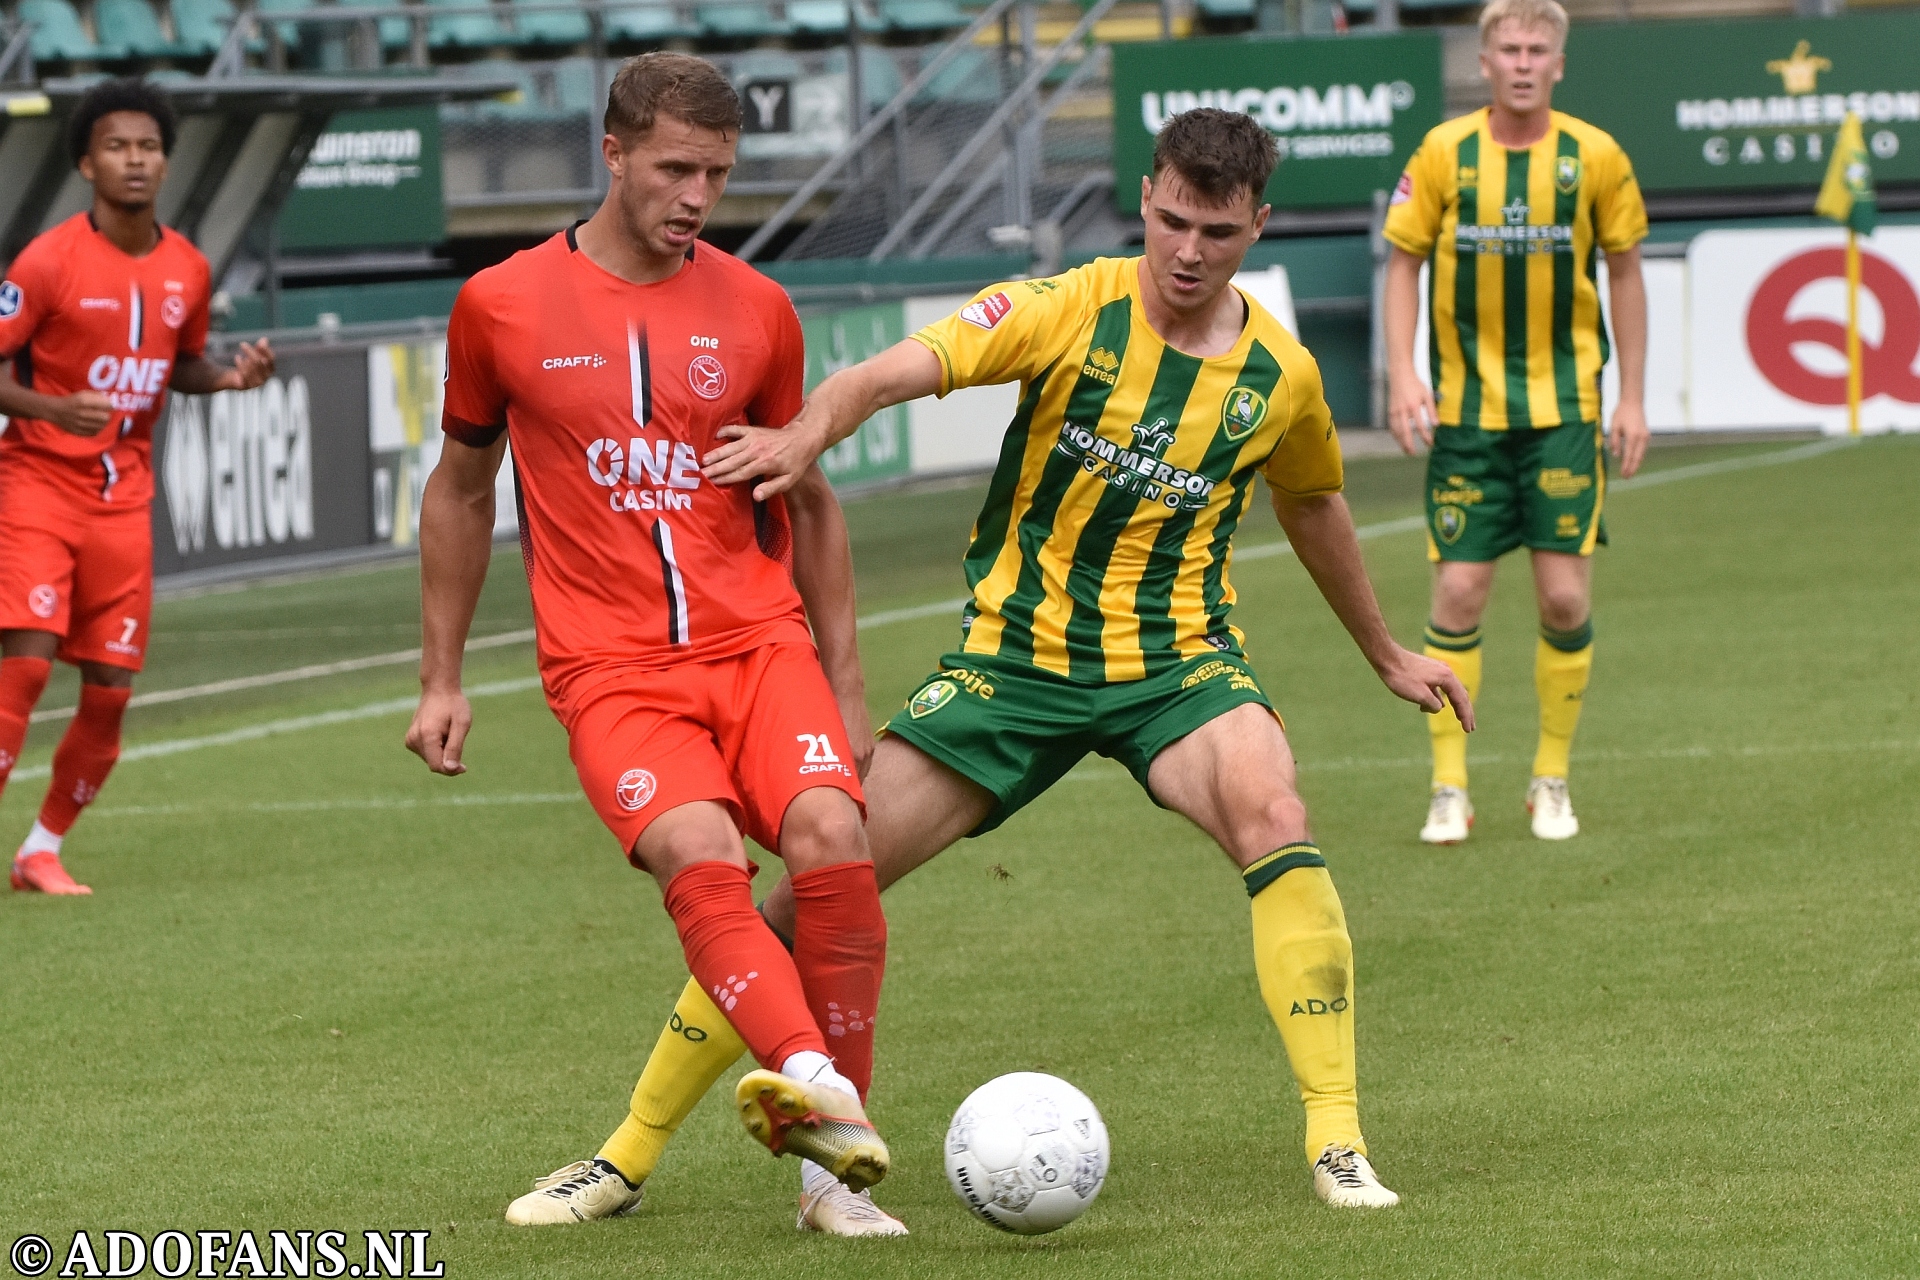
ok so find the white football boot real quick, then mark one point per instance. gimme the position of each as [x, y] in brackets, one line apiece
[1449, 817]
[1343, 1178]
[580, 1192]
[1552, 810]
[836, 1211]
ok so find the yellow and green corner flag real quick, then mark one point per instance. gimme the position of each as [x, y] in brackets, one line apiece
[1847, 194]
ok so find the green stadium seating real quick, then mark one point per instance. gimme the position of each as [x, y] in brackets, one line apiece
[922, 15]
[824, 17]
[395, 33]
[465, 30]
[742, 22]
[649, 24]
[879, 74]
[971, 77]
[574, 91]
[202, 25]
[289, 31]
[130, 29]
[57, 32]
[551, 26]
[1225, 8]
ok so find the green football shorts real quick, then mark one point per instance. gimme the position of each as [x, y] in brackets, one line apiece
[1016, 729]
[1491, 491]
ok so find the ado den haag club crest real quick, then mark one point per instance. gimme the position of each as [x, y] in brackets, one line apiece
[932, 698]
[1566, 174]
[1449, 522]
[1241, 413]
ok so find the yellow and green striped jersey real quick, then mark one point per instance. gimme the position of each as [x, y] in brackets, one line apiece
[1516, 334]
[1101, 552]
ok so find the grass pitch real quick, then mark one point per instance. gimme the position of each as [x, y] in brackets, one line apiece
[318, 988]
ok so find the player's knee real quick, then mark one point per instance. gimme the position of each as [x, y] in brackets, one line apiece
[1564, 608]
[1277, 820]
[822, 828]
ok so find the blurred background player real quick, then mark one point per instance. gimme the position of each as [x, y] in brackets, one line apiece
[1509, 204]
[100, 317]
[1152, 395]
[674, 646]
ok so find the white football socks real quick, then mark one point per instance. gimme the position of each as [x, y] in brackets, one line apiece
[41, 840]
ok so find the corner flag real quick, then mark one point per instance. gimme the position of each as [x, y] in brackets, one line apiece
[1847, 194]
[1847, 197]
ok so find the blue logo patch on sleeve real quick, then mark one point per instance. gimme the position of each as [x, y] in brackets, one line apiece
[9, 299]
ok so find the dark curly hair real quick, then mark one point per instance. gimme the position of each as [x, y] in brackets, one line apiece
[127, 94]
[1220, 154]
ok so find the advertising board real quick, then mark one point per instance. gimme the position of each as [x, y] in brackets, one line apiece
[373, 178]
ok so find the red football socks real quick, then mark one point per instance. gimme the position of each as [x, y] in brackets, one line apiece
[85, 755]
[840, 949]
[22, 681]
[740, 963]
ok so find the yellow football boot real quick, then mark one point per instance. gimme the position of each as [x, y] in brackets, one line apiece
[813, 1121]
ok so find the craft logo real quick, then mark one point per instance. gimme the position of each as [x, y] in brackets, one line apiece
[1449, 523]
[988, 311]
[1241, 413]
[9, 299]
[1779, 344]
[1566, 174]
[634, 790]
[932, 698]
[594, 361]
[708, 377]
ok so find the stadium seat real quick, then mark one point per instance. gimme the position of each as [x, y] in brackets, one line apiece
[551, 26]
[574, 91]
[971, 77]
[130, 29]
[1225, 8]
[395, 33]
[465, 30]
[202, 25]
[289, 31]
[879, 74]
[742, 22]
[922, 15]
[824, 17]
[650, 24]
[57, 32]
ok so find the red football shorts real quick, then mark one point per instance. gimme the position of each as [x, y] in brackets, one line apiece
[85, 577]
[750, 732]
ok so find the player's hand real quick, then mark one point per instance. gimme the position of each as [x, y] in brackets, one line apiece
[1428, 684]
[853, 714]
[1630, 436]
[439, 731]
[1411, 413]
[252, 366]
[777, 459]
[84, 413]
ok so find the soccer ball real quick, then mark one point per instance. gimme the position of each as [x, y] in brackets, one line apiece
[1027, 1152]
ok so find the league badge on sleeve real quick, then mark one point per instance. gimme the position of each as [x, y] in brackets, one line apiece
[987, 312]
[9, 299]
[1403, 189]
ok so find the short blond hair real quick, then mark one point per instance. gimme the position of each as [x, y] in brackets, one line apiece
[1530, 14]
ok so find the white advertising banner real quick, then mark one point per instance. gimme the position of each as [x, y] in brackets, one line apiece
[1767, 322]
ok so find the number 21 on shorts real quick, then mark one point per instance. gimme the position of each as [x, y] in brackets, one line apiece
[819, 748]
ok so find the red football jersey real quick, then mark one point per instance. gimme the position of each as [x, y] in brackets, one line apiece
[610, 394]
[77, 313]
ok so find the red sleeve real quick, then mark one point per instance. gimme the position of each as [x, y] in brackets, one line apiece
[27, 295]
[193, 333]
[475, 410]
[782, 390]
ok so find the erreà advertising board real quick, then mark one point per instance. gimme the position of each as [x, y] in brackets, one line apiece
[1346, 111]
[1749, 104]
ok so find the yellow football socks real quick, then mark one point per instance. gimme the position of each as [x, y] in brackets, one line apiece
[1561, 665]
[1305, 962]
[694, 1050]
[1461, 651]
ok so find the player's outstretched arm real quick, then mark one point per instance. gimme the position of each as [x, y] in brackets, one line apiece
[1320, 528]
[777, 458]
[1411, 413]
[456, 542]
[823, 572]
[252, 365]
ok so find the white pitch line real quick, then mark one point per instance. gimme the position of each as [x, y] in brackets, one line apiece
[293, 724]
[160, 697]
[1258, 551]
[369, 804]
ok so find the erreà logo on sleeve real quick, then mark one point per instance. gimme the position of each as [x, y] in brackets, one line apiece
[988, 311]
